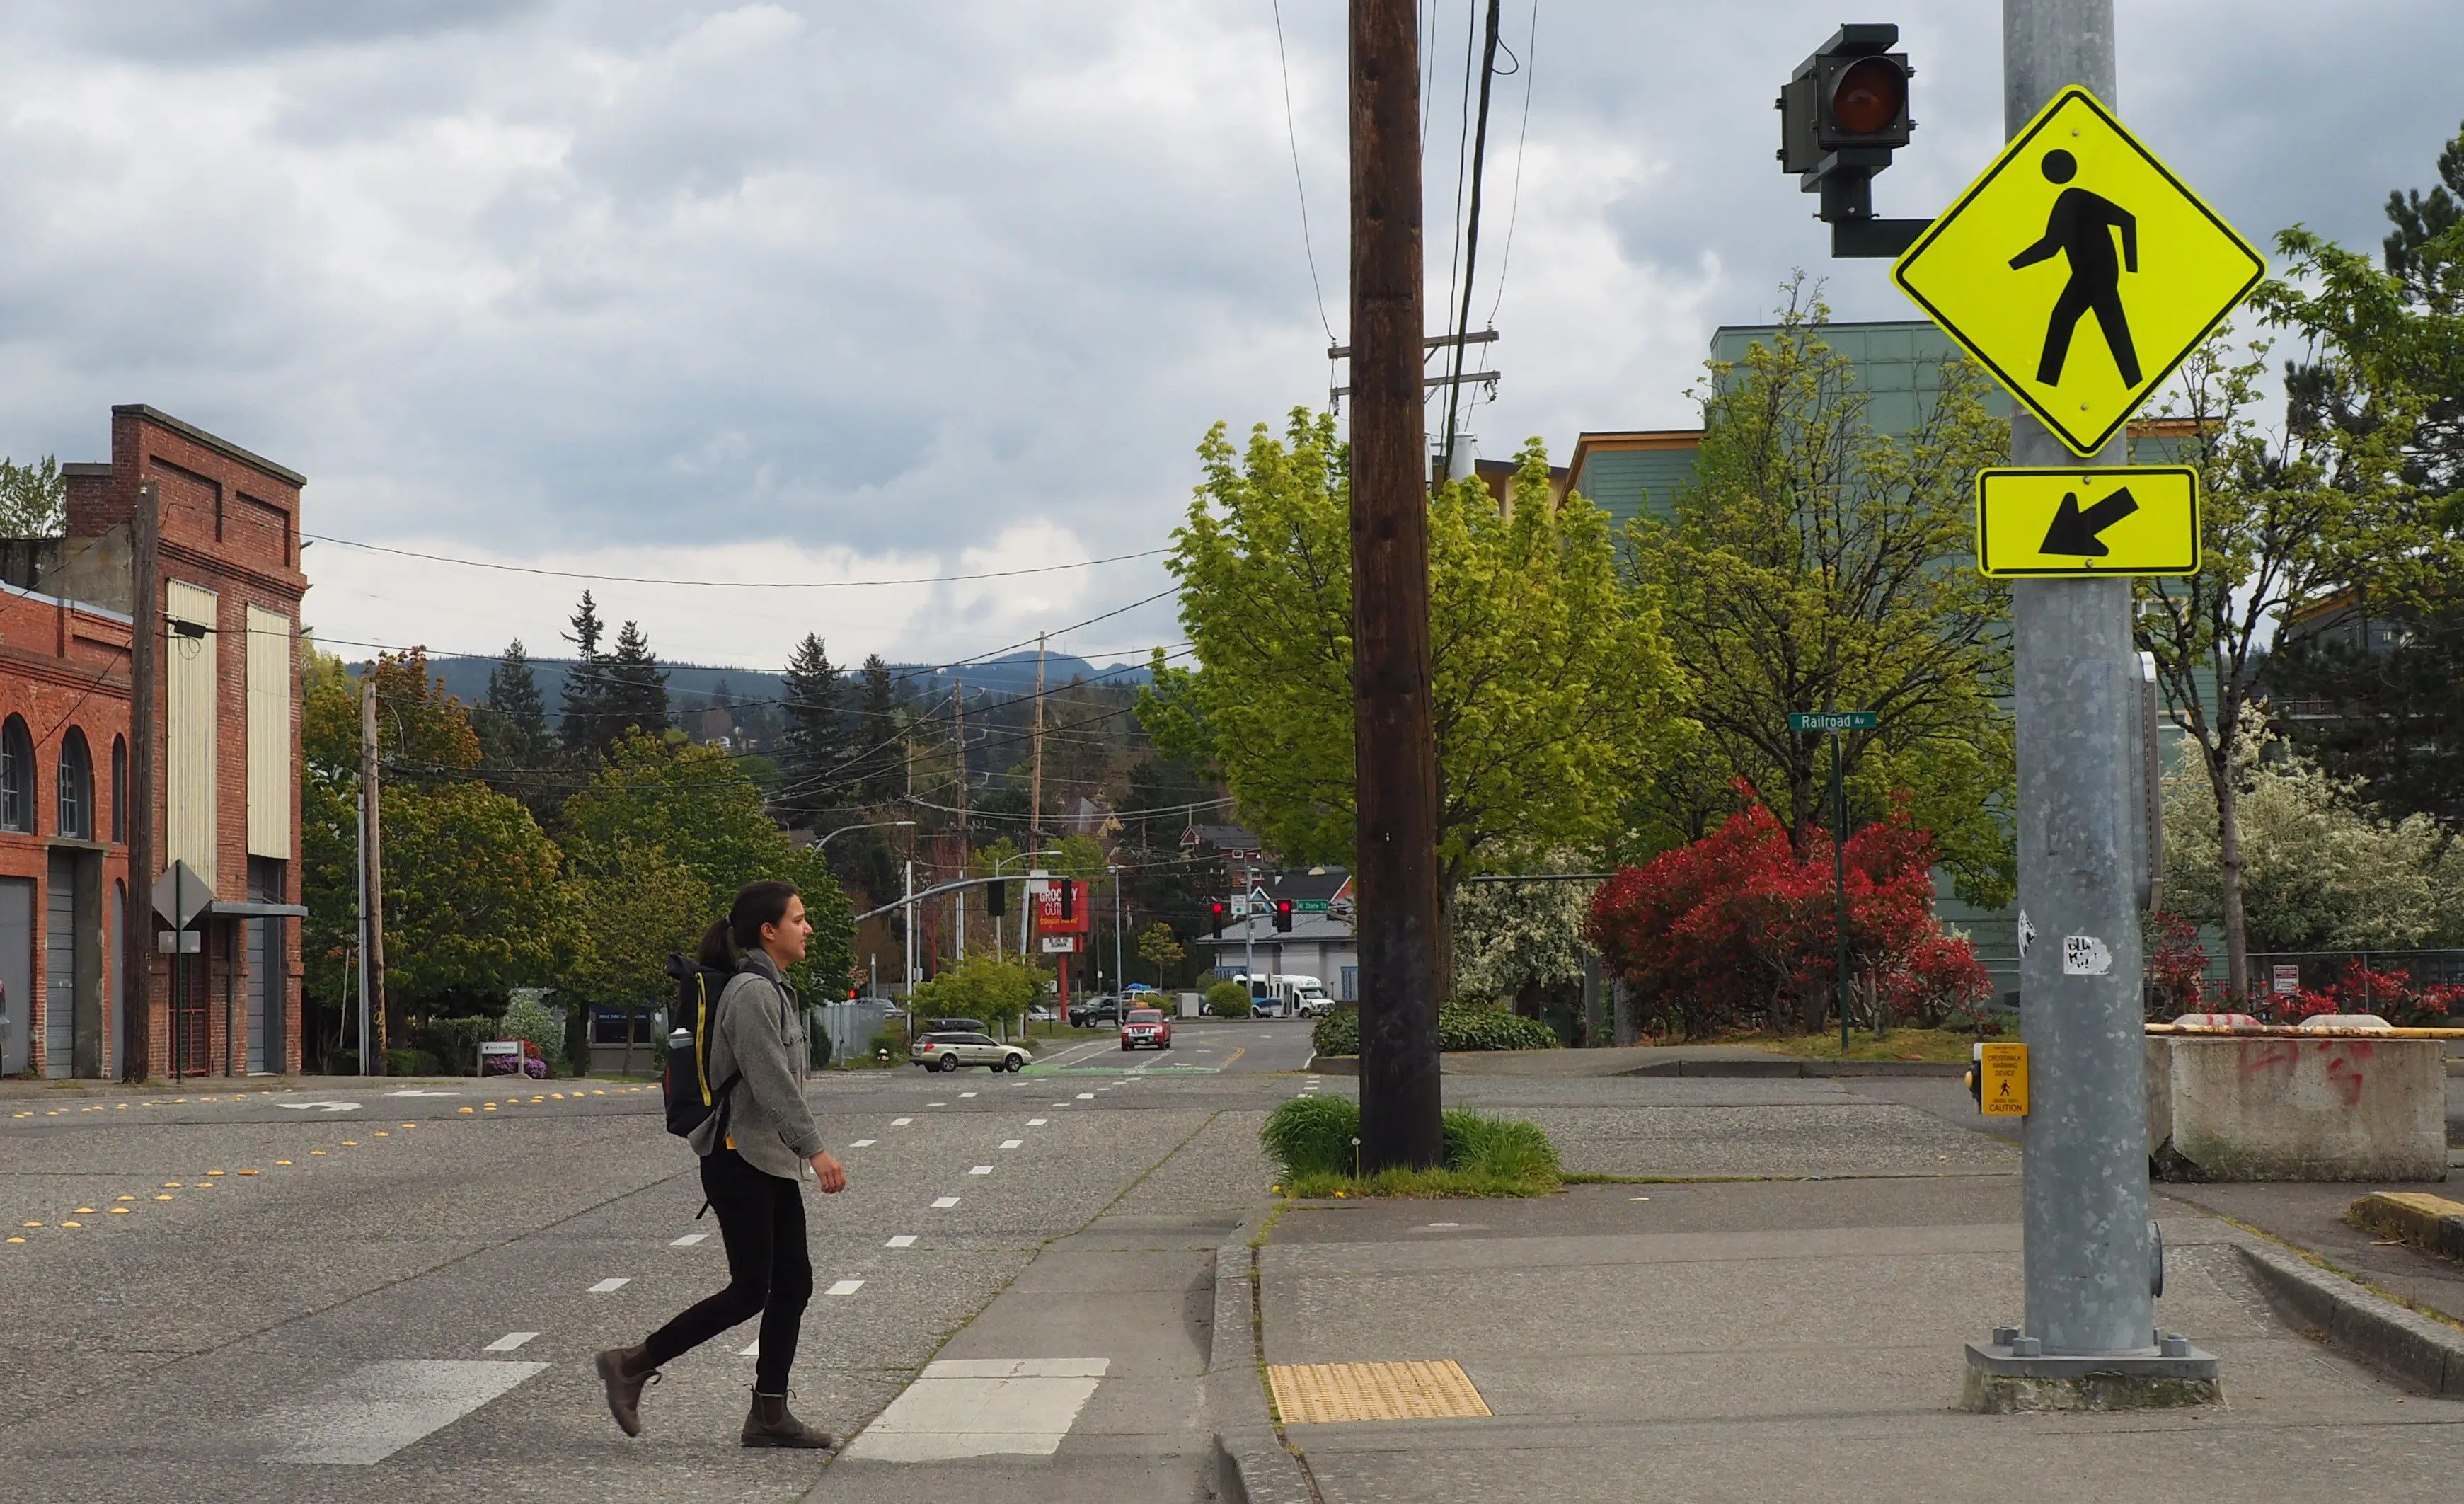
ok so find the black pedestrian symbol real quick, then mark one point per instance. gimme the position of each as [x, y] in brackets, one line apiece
[2081, 229]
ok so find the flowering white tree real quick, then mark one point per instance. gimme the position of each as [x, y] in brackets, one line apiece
[1519, 940]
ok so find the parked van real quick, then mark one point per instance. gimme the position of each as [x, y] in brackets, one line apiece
[1288, 994]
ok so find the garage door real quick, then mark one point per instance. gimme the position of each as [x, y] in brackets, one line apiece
[59, 967]
[17, 973]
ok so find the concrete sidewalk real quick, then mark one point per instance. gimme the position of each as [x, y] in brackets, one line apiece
[1790, 1340]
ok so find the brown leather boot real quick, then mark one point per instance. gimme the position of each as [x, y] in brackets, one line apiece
[626, 1371]
[769, 1424]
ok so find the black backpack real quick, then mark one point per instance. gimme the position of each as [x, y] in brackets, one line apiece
[690, 1097]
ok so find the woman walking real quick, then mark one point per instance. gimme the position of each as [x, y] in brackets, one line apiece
[754, 1150]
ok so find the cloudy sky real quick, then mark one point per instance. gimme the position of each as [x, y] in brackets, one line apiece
[806, 291]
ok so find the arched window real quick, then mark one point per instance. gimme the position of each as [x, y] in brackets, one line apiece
[120, 789]
[16, 776]
[75, 787]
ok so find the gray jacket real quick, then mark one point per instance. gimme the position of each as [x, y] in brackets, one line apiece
[759, 1040]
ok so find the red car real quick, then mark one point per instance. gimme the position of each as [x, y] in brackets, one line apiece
[1145, 1028]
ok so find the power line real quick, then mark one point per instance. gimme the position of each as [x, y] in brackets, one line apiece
[1525, 65]
[739, 585]
[1291, 134]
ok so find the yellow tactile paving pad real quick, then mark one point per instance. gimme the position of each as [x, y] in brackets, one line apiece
[1312, 1394]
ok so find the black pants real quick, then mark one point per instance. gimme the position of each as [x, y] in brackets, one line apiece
[769, 1270]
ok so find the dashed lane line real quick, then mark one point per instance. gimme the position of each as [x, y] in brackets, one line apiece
[610, 1285]
[509, 1342]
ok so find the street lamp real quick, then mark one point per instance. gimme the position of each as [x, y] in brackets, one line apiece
[877, 825]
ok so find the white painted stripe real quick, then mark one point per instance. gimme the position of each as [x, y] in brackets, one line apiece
[1037, 1122]
[863, 1144]
[904, 1239]
[944, 1203]
[755, 1351]
[966, 1093]
[1012, 1143]
[607, 1285]
[688, 1240]
[1086, 1096]
[981, 1170]
[509, 1342]
[379, 1408]
[936, 1104]
[978, 1407]
[843, 1287]
[900, 1123]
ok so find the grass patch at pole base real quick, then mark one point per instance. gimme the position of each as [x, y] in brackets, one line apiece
[1316, 1139]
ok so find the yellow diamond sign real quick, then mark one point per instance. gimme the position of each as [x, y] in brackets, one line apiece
[2134, 520]
[2078, 270]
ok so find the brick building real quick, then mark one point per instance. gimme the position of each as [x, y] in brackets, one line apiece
[150, 714]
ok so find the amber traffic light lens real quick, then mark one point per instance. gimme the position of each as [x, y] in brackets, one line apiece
[1869, 95]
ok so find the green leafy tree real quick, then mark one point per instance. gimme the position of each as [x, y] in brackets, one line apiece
[1552, 687]
[2322, 869]
[475, 904]
[997, 990]
[1816, 563]
[2283, 520]
[1158, 947]
[695, 805]
[638, 906]
[33, 498]
[329, 790]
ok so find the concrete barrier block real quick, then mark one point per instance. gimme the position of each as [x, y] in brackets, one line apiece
[2297, 1109]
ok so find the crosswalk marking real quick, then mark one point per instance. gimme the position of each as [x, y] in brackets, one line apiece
[944, 1203]
[904, 1239]
[981, 1170]
[843, 1287]
[981, 1408]
[615, 1283]
[688, 1240]
[379, 1408]
[1012, 1143]
[509, 1342]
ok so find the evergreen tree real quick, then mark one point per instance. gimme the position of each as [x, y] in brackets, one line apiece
[636, 686]
[584, 727]
[882, 759]
[513, 731]
[814, 743]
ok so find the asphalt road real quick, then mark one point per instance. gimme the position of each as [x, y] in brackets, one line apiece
[335, 1293]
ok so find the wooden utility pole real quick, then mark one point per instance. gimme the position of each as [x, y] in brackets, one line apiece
[1035, 785]
[966, 853]
[1394, 741]
[144, 710]
[372, 1040]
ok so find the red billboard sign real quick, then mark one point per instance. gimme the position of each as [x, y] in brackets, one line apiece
[1051, 902]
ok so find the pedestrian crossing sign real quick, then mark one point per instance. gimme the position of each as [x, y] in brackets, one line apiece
[2078, 270]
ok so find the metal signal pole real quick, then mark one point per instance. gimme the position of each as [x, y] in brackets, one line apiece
[1394, 746]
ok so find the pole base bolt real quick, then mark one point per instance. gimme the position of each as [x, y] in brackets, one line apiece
[2005, 1335]
[2026, 1347]
[2174, 1345]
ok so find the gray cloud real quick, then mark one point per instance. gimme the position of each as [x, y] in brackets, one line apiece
[867, 291]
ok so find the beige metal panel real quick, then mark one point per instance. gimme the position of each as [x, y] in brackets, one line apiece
[269, 734]
[189, 741]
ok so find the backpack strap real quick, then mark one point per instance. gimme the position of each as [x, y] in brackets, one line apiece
[714, 1098]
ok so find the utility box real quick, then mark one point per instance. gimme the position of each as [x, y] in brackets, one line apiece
[1192, 1003]
[2286, 1106]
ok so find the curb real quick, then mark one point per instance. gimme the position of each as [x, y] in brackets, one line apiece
[1252, 1466]
[2425, 1353]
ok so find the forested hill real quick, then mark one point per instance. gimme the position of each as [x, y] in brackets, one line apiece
[466, 679]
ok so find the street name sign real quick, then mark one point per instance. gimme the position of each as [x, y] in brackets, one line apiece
[1833, 721]
[2077, 226]
[2135, 520]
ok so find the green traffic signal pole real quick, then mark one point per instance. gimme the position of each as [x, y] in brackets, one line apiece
[1839, 883]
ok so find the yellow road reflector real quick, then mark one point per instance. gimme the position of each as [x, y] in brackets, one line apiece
[170, 1184]
[16, 1239]
[2003, 1071]
[315, 1154]
[2135, 520]
[30, 1224]
[282, 1161]
[462, 1109]
[163, 1198]
[381, 1134]
[124, 1198]
[2078, 270]
[120, 1211]
[85, 1211]
[213, 1172]
[248, 1172]
[1318, 1394]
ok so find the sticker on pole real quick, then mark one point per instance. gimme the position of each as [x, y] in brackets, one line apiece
[2002, 1080]
[2086, 956]
[2142, 520]
[2078, 270]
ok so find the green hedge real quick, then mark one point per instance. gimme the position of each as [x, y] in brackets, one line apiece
[1459, 1026]
[411, 1062]
[1228, 1000]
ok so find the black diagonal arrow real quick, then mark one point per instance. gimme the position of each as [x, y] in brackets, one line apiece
[2074, 531]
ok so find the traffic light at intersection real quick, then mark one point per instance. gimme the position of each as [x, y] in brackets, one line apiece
[1283, 914]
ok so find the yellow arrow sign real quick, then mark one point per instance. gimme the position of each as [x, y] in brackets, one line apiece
[2078, 270]
[2138, 520]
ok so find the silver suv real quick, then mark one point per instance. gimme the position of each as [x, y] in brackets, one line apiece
[947, 1052]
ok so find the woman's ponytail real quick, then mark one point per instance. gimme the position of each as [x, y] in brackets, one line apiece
[715, 951]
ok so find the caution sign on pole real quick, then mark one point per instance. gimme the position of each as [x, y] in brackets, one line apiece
[2078, 270]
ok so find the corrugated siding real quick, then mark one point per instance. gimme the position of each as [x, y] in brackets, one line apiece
[269, 734]
[189, 755]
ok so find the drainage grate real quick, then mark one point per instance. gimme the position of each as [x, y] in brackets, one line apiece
[1310, 1394]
